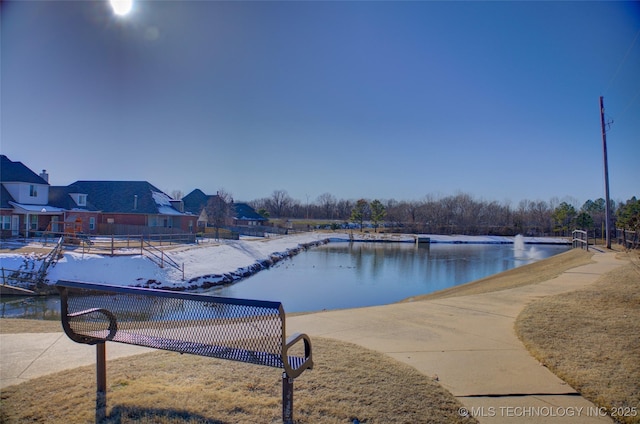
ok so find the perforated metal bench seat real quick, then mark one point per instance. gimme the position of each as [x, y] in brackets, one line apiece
[251, 331]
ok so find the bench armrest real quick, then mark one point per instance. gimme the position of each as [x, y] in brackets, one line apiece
[86, 339]
[296, 370]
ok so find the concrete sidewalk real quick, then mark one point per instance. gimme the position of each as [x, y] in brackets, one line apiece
[467, 343]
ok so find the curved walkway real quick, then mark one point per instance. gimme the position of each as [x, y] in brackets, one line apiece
[467, 343]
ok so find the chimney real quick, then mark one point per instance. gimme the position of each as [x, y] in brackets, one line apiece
[44, 175]
[177, 205]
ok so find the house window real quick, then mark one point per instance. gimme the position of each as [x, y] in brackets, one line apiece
[33, 190]
[6, 222]
[92, 222]
[34, 222]
[82, 200]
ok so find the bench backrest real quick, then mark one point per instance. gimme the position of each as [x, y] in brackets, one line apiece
[237, 329]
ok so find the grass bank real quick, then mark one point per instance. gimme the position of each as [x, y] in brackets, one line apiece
[591, 339]
[536, 272]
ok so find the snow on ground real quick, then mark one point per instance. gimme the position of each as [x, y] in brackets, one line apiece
[211, 263]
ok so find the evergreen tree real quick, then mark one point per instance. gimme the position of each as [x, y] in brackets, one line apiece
[359, 212]
[564, 216]
[584, 221]
[378, 212]
[628, 215]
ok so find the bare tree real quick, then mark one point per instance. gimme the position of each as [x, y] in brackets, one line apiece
[220, 210]
[461, 213]
[343, 209]
[327, 203]
[279, 202]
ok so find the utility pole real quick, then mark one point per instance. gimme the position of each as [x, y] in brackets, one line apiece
[606, 176]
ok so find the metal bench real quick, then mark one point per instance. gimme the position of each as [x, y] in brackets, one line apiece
[251, 331]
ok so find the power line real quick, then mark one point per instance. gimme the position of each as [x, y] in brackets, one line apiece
[622, 62]
[633, 99]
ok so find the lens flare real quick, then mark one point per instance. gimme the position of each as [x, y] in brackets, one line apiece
[121, 7]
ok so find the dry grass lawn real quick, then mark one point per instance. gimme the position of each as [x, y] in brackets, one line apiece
[348, 382]
[591, 339]
[19, 325]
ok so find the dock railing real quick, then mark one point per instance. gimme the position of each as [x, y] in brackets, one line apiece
[580, 239]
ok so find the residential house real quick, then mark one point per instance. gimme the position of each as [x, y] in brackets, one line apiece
[133, 203]
[195, 203]
[80, 214]
[244, 215]
[24, 200]
[28, 205]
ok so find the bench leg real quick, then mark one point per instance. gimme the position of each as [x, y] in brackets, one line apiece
[287, 399]
[101, 377]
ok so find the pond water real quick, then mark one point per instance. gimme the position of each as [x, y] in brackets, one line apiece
[348, 275]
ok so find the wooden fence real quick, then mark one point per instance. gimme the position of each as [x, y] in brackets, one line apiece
[627, 238]
[580, 239]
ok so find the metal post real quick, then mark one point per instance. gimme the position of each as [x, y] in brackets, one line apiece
[101, 377]
[287, 399]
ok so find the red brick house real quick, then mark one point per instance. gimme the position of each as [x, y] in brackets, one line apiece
[24, 200]
[134, 203]
[29, 205]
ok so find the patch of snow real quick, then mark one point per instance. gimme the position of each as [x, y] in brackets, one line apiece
[168, 210]
[161, 199]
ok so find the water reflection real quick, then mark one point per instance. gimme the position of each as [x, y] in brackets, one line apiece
[348, 275]
[345, 275]
[42, 308]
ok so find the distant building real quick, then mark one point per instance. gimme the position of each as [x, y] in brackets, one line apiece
[244, 215]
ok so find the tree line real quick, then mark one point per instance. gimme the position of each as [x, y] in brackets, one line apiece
[457, 214]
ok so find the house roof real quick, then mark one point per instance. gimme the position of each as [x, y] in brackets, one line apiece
[60, 197]
[125, 197]
[5, 198]
[246, 212]
[17, 172]
[36, 209]
[195, 201]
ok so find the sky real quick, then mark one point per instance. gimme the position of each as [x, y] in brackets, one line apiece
[386, 100]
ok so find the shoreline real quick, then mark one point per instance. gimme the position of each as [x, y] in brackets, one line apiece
[227, 262]
[226, 279]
